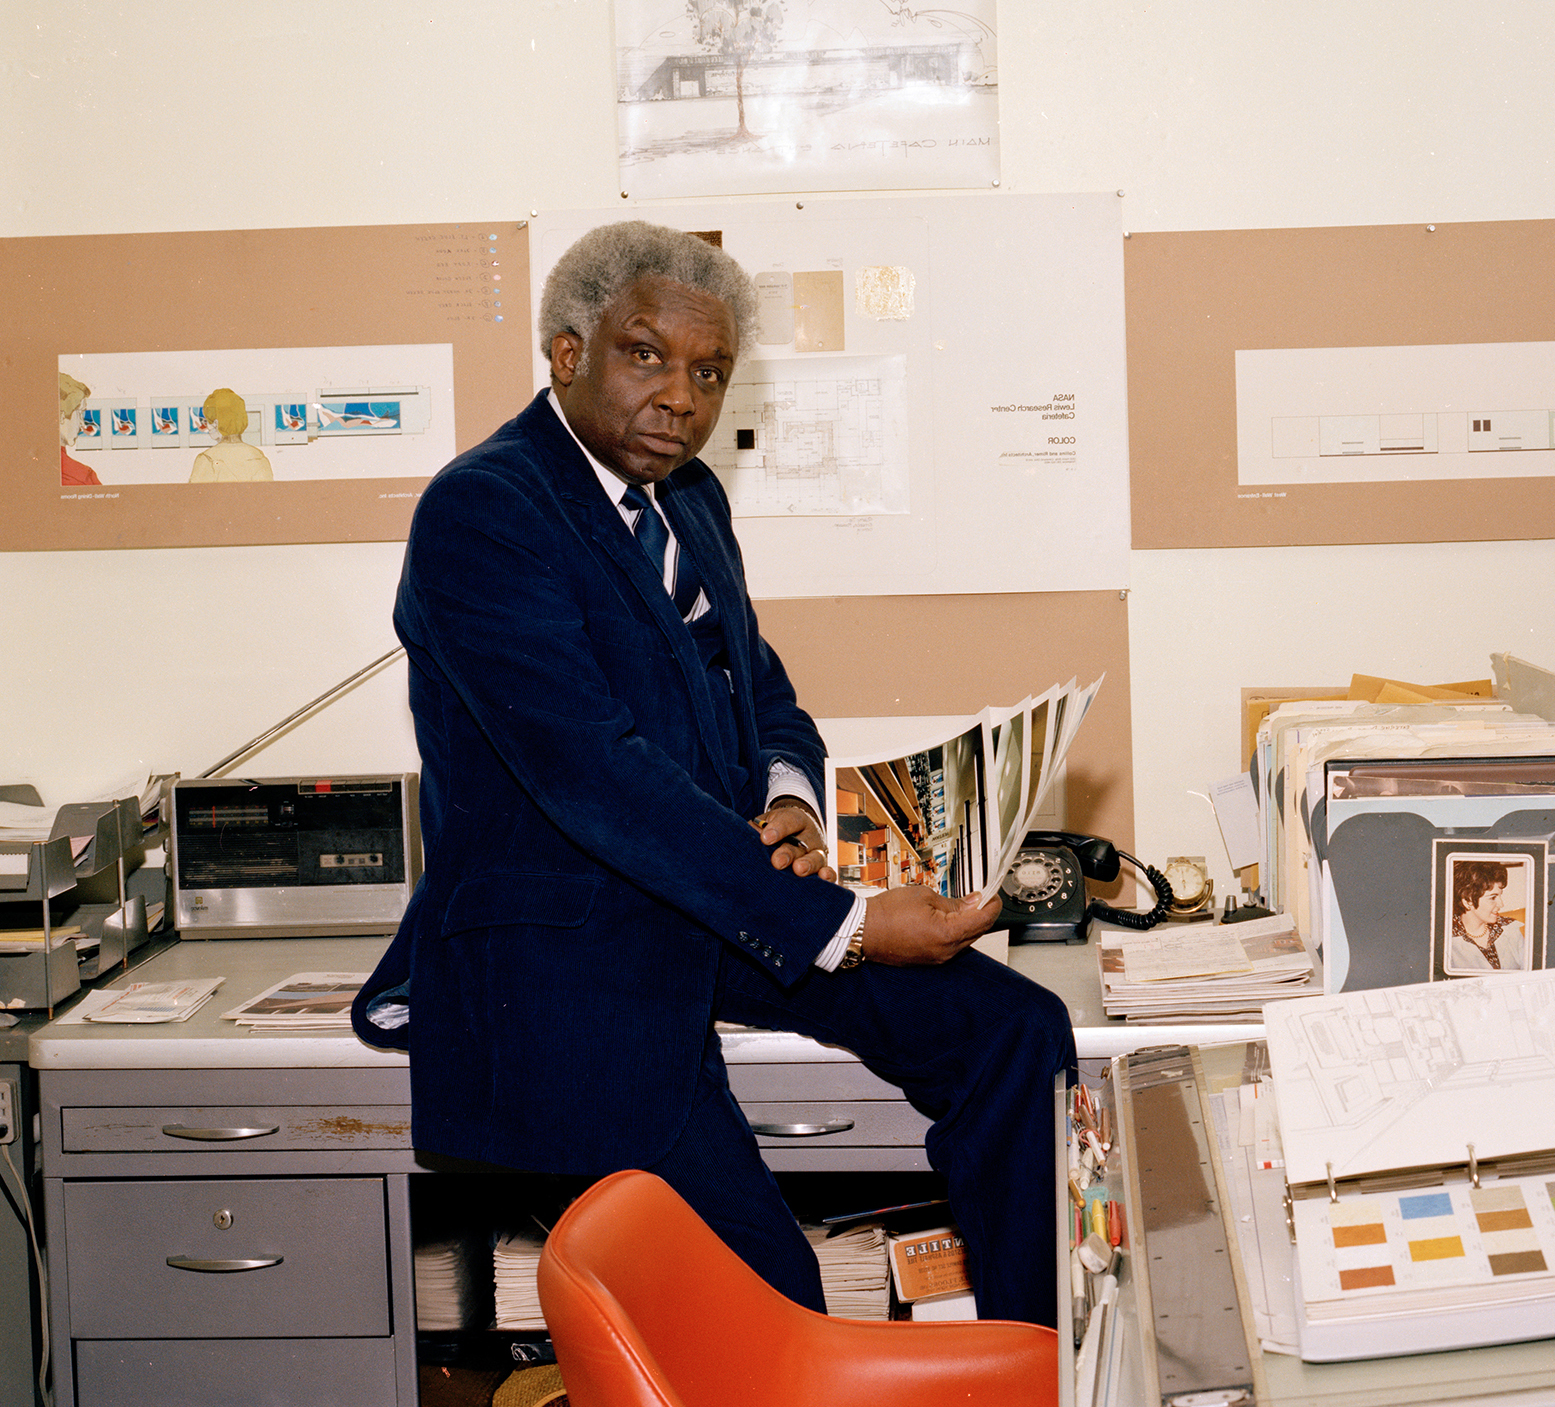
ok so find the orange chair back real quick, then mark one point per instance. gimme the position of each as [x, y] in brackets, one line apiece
[648, 1308]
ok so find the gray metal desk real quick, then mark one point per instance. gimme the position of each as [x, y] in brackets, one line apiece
[18, 1351]
[129, 1181]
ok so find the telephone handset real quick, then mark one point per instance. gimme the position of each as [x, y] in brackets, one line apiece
[1043, 891]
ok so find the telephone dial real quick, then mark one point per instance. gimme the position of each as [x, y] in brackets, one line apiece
[1043, 891]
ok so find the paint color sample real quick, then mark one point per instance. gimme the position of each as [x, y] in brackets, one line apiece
[1436, 1248]
[1426, 1204]
[1518, 1263]
[1507, 1230]
[1372, 1233]
[1366, 1277]
[1517, 1220]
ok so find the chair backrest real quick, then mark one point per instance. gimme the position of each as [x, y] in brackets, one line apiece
[639, 1293]
[648, 1308]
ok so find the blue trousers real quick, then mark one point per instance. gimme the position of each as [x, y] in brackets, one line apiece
[974, 1046]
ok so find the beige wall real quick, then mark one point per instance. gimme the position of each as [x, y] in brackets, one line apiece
[1203, 115]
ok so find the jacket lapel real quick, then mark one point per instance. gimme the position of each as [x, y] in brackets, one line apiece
[601, 521]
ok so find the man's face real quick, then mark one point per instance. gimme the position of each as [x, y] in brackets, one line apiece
[649, 392]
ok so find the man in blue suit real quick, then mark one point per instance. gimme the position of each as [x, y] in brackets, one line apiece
[621, 817]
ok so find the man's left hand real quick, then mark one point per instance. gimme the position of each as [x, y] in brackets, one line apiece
[797, 840]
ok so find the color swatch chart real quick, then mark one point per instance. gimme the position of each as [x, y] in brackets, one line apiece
[1434, 1238]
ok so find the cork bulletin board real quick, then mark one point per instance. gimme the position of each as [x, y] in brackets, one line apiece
[872, 656]
[1393, 345]
[101, 297]
[436, 315]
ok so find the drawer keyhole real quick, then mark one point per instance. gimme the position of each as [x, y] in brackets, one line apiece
[223, 1219]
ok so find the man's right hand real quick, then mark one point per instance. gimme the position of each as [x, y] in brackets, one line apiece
[913, 925]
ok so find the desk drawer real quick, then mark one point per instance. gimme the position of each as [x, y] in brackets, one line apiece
[808, 1080]
[235, 1372]
[167, 1259]
[869, 1123]
[247, 1128]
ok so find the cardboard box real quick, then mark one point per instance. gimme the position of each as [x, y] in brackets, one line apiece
[929, 1263]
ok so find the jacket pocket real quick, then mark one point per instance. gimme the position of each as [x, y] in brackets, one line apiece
[516, 897]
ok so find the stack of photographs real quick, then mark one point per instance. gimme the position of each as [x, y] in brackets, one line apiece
[951, 812]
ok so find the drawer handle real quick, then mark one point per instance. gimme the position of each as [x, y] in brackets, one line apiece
[217, 1135]
[222, 1267]
[803, 1130]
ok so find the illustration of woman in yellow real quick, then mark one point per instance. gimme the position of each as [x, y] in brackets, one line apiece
[71, 395]
[229, 460]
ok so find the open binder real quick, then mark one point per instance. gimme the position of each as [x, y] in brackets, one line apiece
[1418, 1125]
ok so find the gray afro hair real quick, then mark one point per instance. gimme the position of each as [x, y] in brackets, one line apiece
[611, 258]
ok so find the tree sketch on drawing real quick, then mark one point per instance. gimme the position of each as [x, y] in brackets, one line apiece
[737, 30]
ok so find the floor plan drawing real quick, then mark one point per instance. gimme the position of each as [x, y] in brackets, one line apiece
[825, 435]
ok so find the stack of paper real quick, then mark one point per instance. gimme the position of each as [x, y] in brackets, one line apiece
[449, 1277]
[1186, 972]
[855, 1272]
[305, 1000]
[25, 940]
[1310, 754]
[148, 1003]
[515, 1261]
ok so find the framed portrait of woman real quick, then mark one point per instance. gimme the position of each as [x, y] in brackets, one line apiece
[1488, 906]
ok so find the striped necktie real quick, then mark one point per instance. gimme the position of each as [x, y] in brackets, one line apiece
[650, 531]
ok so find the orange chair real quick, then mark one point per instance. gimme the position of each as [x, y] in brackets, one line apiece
[648, 1308]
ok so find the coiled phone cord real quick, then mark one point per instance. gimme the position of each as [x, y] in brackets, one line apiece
[1130, 918]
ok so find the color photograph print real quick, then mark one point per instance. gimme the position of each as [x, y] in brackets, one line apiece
[728, 97]
[1487, 906]
[919, 818]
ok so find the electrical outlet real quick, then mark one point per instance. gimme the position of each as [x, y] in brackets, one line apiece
[8, 1111]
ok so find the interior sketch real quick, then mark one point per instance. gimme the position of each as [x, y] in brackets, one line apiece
[1316, 415]
[1371, 1075]
[273, 418]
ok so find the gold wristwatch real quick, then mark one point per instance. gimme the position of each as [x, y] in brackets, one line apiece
[854, 957]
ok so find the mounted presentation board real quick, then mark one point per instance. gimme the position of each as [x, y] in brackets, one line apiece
[935, 401]
[1366, 384]
[355, 362]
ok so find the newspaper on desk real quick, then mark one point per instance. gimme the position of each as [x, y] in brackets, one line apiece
[1203, 972]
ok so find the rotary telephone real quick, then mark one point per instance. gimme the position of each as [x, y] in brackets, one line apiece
[1043, 891]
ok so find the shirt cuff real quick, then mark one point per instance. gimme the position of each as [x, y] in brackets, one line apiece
[784, 779]
[833, 952]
